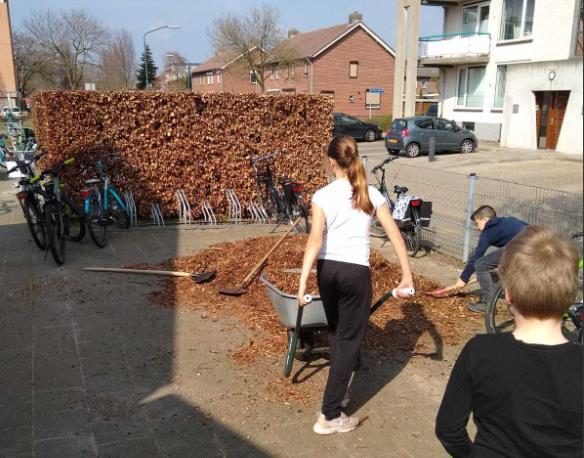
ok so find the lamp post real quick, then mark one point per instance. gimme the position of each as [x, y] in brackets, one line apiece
[173, 27]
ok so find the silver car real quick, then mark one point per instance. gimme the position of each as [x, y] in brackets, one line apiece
[412, 136]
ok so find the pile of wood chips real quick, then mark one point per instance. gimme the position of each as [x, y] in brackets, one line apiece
[180, 140]
[417, 326]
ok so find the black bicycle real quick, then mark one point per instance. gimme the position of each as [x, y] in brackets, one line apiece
[33, 198]
[414, 214]
[498, 317]
[283, 206]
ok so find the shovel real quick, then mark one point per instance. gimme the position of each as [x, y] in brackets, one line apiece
[201, 277]
[247, 280]
[448, 291]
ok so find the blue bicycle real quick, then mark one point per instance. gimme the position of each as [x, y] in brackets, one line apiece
[103, 206]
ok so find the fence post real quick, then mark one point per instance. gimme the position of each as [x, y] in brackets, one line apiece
[432, 152]
[473, 177]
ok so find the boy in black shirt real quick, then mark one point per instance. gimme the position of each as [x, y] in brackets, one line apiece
[524, 388]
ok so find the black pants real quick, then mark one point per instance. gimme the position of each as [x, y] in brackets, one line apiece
[345, 290]
[483, 267]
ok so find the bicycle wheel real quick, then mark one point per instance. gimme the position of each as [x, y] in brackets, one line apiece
[498, 317]
[300, 211]
[413, 234]
[376, 229]
[73, 220]
[54, 230]
[118, 214]
[97, 222]
[35, 221]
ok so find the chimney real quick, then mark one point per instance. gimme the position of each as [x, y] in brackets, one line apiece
[355, 17]
[293, 32]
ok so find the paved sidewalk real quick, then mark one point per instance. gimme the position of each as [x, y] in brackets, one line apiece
[89, 368]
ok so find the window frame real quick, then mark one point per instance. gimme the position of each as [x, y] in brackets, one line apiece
[465, 105]
[495, 107]
[356, 64]
[478, 6]
[252, 76]
[522, 35]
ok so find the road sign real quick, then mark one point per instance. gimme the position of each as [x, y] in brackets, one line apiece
[376, 91]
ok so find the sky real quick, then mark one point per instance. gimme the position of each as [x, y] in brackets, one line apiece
[196, 16]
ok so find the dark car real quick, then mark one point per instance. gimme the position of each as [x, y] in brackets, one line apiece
[412, 136]
[359, 130]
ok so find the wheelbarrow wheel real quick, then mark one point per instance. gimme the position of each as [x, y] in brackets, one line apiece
[293, 338]
[305, 343]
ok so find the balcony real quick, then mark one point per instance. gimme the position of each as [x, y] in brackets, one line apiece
[454, 49]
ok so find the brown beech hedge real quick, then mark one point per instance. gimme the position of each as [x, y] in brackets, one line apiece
[180, 140]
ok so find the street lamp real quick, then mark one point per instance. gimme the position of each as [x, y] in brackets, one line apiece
[173, 27]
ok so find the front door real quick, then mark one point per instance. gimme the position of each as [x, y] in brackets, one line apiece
[550, 112]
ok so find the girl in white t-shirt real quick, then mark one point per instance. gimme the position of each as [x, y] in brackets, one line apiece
[341, 218]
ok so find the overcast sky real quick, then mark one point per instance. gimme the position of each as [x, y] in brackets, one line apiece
[195, 16]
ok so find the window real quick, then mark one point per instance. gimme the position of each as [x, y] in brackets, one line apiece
[424, 84]
[209, 78]
[471, 87]
[373, 100]
[273, 71]
[500, 86]
[475, 19]
[305, 70]
[349, 120]
[292, 71]
[253, 78]
[327, 92]
[425, 124]
[218, 78]
[443, 124]
[517, 21]
[353, 69]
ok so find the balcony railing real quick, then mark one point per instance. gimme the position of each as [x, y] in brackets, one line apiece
[454, 46]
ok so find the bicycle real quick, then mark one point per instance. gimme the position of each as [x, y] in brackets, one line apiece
[283, 206]
[499, 319]
[103, 205]
[410, 213]
[32, 198]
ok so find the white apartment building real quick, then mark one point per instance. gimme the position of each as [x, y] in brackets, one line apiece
[511, 69]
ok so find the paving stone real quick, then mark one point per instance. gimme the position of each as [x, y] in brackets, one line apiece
[63, 423]
[47, 401]
[75, 446]
[135, 448]
[16, 414]
[14, 441]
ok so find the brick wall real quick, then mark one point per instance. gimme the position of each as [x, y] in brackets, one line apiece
[290, 78]
[376, 68]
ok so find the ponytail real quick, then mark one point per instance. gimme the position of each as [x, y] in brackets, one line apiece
[358, 180]
[343, 149]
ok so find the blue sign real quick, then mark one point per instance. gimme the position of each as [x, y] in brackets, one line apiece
[376, 91]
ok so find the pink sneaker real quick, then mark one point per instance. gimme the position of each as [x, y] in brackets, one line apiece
[341, 424]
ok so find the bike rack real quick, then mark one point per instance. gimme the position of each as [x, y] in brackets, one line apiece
[157, 214]
[184, 208]
[208, 214]
[131, 206]
[258, 213]
[235, 209]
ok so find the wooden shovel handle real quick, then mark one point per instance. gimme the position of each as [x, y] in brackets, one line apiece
[260, 264]
[140, 272]
[454, 288]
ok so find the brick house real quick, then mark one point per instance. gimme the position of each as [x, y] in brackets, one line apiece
[344, 61]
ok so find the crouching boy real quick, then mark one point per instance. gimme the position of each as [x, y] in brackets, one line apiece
[524, 388]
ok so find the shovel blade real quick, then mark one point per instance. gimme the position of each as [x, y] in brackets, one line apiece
[204, 276]
[233, 291]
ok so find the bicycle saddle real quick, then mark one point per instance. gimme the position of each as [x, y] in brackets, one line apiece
[93, 181]
[400, 189]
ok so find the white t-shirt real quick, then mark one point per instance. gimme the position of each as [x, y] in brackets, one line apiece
[346, 237]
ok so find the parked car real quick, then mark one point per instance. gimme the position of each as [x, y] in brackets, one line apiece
[359, 130]
[412, 136]
[16, 113]
[432, 110]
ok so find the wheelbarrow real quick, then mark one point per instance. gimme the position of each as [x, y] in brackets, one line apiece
[304, 321]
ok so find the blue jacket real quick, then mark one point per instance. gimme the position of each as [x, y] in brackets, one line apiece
[498, 232]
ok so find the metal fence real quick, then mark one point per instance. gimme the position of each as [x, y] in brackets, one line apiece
[452, 198]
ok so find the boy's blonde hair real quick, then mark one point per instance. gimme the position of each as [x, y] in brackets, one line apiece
[540, 273]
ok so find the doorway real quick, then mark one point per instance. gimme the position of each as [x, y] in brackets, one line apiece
[550, 109]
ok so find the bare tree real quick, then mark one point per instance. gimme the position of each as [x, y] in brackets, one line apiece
[71, 39]
[255, 39]
[31, 64]
[117, 60]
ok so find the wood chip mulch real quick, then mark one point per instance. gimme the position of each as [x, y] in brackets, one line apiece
[417, 327]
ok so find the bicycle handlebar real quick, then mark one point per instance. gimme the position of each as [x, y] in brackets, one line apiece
[380, 166]
[20, 164]
[256, 159]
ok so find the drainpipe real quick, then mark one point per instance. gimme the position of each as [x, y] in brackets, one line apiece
[441, 103]
[311, 75]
